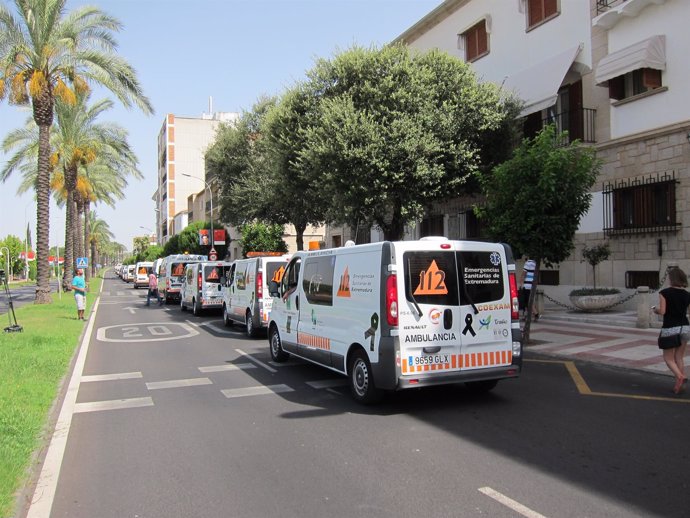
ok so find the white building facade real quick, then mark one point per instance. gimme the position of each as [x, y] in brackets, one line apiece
[613, 74]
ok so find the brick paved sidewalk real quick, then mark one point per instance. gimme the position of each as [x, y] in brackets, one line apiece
[614, 345]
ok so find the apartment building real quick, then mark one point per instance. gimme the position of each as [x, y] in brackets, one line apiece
[182, 142]
[610, 72]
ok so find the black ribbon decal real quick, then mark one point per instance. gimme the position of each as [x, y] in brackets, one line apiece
[468, 325]
[371, 332]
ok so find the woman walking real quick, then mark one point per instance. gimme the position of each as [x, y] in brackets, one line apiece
[673, 306]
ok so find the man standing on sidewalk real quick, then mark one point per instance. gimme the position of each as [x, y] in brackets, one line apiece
[153, 289]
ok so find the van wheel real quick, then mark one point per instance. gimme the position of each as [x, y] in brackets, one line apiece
[182, 306]
[277, 353]
[362, 381]
[227, 321]
[196, 308]
[481, 387]
[249, 324]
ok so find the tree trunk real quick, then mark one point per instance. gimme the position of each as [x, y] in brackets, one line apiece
[70, 261]
[87, 240]
[43, 116]
[299, 231]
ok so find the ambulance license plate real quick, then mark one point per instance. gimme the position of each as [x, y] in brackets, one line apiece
[431, 359]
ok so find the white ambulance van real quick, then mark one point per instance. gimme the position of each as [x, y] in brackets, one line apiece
[397, 315]
[246, 299]
[201, 288]
[141, 278]
[171, 274]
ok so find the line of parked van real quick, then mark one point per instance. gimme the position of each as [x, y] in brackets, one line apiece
[388, 315]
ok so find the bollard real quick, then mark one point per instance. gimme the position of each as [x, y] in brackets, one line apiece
[644, 308]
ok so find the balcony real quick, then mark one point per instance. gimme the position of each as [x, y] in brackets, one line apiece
[605, 5]
[578, 123]
[610, 12]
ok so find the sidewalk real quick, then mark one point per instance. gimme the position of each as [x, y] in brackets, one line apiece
[608, 338]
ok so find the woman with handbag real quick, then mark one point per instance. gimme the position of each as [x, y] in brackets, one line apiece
[675, 330]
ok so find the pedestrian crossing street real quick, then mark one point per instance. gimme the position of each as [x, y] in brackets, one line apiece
[249, 391]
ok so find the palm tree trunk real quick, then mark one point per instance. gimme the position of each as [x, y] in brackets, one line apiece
[43, 210]
[70, 261]
[87, 231]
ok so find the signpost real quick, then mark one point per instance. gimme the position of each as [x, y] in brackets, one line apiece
[213, 255]
[82, 262]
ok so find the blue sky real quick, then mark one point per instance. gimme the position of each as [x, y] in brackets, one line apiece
[187, 51]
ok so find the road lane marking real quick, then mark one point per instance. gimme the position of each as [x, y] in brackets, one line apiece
[258, 362]
[111, 377]
[510, 503]
[583, 387]
[227, 367]
[115, 404]
[191, 382]
[318, 385]
[44, 494]
[258, 390]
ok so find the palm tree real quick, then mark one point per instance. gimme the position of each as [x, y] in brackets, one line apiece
[42, 51]
[100, 234]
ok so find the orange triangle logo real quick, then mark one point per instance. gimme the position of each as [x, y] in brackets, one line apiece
[278, 274]
[432, 281]
[344, 288]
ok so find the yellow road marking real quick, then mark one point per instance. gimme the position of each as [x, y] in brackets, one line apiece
[584, 389]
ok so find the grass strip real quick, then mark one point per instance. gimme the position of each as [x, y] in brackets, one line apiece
[32, 364]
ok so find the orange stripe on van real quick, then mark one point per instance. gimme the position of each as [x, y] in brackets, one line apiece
[318, 342]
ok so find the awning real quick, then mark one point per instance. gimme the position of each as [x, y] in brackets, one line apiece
[538, 86]
[649, 53]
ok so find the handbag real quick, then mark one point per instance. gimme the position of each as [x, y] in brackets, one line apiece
[669, 342]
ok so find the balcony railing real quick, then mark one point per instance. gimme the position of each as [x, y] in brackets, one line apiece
[578, 123]
[605, 5]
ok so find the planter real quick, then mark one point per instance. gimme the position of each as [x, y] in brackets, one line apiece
[594, 303]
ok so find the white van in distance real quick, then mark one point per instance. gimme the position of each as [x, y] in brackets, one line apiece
[201, 288]
[246, 299]
[171, 274]
[397, 315]
[141, 278]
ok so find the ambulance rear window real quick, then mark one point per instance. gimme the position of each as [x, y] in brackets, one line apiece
[481, 276]
[274, 271]
[215, 272]
[431, 278]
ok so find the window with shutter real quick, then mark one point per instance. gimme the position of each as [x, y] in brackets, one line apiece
[540, 10]
[476, 41]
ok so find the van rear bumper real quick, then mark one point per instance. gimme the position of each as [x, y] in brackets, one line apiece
[424, 379]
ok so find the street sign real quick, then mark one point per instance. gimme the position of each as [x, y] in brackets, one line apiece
[82, 262]
[213, 255]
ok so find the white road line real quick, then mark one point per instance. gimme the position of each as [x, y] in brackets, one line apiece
[258, 362]
[227, 367]
[111, 377]
[115, 404]
[44, 494]
[318, 385]
[192, 382]
[256, 391]
[510, 503]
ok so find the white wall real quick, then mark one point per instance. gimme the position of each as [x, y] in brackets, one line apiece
[670, 19]
[512, 48]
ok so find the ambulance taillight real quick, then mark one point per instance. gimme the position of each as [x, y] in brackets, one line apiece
[514, 307]
[259, 285]
[392, 300]
[199, 280]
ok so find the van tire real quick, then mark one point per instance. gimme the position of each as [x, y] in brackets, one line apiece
[361, 380]
[249, 325]
[227, 321]
[182, 306]
[196, 308]
[481, 387]
[278, 355]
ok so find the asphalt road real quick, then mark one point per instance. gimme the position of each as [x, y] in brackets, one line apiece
[200, 423]
[20, 295]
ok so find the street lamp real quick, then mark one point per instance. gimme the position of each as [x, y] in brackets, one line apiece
[211, 193]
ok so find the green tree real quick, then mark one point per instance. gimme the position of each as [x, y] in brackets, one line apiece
[397, 130]
[260, 237]
[140, 245]
[99, 235]
[153, 252]
[16, 247]
[535, 200]
[42, 51]
[187, 241]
